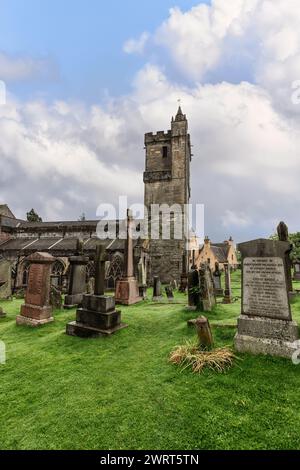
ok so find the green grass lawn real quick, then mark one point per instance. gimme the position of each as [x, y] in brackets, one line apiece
[61, 392]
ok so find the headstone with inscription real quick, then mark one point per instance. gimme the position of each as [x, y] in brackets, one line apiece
[265, 325]
[5, 276]
[98, 315]
[37, 309]
[77, 282]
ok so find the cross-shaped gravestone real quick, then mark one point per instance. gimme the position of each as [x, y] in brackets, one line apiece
[100, 260]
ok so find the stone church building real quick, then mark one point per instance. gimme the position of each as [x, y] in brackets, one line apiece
[166, 181]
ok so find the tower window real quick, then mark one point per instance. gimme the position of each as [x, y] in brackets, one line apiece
[165, 152]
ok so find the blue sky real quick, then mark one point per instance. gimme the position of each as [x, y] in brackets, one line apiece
[83, 39]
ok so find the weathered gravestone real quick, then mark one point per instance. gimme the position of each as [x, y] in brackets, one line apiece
[37, 309]
[55, 298]
[297, 271]
[127, 289]
[207, 296]
[211, 288]
[184, 274]
[217, 275]
[157, 295]
[193, 289]
[265, 325]
[77, 282]
[90, 288]
[227, 292]
[5, 277]
[98, 316]
[142, 279]
[2, 313]
[169, 293]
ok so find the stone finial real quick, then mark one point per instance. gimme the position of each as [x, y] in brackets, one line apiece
[283, 232]
[79, 247]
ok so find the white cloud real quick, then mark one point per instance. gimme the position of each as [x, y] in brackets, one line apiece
[52, 154]
[260, 38]
[232, 220]
[15, 68]
[136, 46]
[66, 158]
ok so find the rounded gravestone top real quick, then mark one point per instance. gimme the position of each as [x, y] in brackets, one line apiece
[40, 258]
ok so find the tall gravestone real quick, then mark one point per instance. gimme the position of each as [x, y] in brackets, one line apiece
[142, 279]
[265, 325]
[193, 289]
[37, 309]
[211, 288]
[184, 274]
[207, 296]
[297, 271]
[5, 277]
[283, 235]
[227, 292]
[169, 293]
[217, 276]
[157, 294]
[77, 281]
[98, 315]
[127, 289]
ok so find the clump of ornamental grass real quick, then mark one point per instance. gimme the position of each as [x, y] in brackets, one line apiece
[190, 356]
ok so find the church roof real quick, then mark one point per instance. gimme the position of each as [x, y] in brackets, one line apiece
[5, 211]
[220, 251]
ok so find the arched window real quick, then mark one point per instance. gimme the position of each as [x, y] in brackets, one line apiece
[25, 273]
[57, 273]
[115, 271]
[90, 271]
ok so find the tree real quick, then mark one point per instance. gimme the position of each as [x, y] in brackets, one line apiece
[295, 241]
[82, 217]
[32, 216]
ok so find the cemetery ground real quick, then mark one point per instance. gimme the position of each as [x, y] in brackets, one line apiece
[61, 392]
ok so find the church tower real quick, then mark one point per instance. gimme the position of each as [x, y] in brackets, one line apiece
[167, 182]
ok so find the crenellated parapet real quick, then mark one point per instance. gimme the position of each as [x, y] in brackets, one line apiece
[160, 136]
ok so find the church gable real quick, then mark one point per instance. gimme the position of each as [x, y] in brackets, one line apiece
[5, 211]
